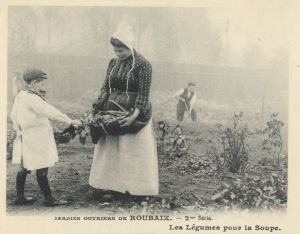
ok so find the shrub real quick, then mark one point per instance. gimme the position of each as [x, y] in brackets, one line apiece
[273, 141]
[234, 155]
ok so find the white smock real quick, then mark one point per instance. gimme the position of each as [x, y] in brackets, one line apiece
[34, 144]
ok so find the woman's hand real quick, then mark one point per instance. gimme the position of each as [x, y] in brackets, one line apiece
[127, 121]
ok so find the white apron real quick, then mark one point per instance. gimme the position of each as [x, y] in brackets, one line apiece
[34, 144]
[126, 163]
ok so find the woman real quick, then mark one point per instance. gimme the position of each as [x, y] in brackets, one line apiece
[126, 163]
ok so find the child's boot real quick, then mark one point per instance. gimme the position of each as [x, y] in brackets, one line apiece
[20, 186]
[44, 185]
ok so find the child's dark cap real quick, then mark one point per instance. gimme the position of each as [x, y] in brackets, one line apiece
[34, 74]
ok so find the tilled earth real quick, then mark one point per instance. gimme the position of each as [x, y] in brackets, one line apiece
[69, 181]
[182, 187]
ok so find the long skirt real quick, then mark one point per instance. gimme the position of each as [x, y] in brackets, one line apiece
[126, 163]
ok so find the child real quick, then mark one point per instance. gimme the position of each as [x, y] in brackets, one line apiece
[34, 147]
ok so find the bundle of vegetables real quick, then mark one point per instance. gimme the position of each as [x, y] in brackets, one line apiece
[100, 124]
[105, 122]
[69, 133]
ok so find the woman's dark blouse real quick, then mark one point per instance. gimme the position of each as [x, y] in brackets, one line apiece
[139, 81]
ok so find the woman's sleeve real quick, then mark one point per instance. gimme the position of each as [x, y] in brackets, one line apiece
[104, 91]
[144, 77]
[40, 107]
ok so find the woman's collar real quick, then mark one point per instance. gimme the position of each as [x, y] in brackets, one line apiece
[130, 56]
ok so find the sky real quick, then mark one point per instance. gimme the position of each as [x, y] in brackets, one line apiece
[263, 27]
[191, 35]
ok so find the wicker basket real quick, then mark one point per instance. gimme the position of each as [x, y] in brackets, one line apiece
[106, 123]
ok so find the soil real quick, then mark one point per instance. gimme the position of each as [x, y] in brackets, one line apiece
[69, 180]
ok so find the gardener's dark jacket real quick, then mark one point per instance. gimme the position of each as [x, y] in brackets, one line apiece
[138, 87]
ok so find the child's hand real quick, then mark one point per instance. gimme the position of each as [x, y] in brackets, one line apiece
[90, 118]
[76, 123]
